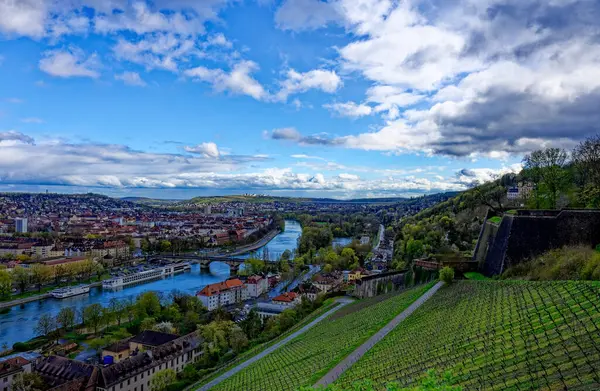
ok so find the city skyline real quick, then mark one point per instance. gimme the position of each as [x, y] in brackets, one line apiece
[341, 99]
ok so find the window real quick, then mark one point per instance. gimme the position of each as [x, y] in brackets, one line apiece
[128, 381]
[142, 375]
[5, 379]
[135, 378]
[121, 385]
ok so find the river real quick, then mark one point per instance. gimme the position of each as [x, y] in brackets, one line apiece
[18, 325]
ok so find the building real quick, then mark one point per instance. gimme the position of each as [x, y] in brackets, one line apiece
[133, 372]
[267, 310]
[207, 209]
[61, 373]
[310, 292]
[257, 285]
[10, 368]
[519, 192]
[149, 339]
[223, 293]
[21, 225]
[288, 299]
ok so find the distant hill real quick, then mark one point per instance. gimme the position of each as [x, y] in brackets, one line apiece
[150, 201]
[270, 199]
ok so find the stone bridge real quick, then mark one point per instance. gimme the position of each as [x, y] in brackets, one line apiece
[203, 260]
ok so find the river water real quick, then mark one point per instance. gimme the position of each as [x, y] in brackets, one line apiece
[18, 325]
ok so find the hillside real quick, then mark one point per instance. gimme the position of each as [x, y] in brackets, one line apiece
[305, 359]
[495, 336]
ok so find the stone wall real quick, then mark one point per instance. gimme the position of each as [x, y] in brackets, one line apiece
[531, 233]
[379, 283]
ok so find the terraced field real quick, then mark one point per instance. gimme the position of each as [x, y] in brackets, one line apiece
[495, 336]
[305, 359]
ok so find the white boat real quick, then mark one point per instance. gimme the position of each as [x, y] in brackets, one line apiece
[62, 293]
[145, 275]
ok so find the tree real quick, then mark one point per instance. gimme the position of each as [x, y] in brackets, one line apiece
[165, 246]
[165, 327]
[287, 255]
[586, 157]
[28, 381]
[45, 325]
[215, 336]
[147, 305]
[237, 339]
[5, 284]
[147, 324]
[66, 318]
[21, 277]
[447, 275]
[93, 316]
[162, 379]
[547, 167]
[117, 307]
[414, 249]
[40, 275]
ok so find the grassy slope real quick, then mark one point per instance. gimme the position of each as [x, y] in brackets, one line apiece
[495, 336]
[305, 359]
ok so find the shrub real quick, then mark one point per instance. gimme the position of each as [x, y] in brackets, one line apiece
[447, 275]
[21, 347]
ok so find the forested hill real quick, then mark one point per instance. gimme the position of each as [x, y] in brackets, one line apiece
[449, 227]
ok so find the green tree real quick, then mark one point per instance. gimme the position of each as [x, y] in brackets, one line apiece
[45, 325]
[447, 275]
[147, 305]
[28, 381]
[66, 318]
[21, 277]
[147, 324]
[117, 307]
[40, 275]
[5, 284]
[414, 249]
[162, 379]
[237, 339]
[165, 246]
[547, 167]
[93, 316]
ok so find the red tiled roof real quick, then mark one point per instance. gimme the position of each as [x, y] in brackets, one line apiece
[287, 297]
[215, 289]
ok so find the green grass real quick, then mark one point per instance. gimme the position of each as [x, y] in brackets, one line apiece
[476, 276]
[495, 335]
[495, 219]
[309, 356]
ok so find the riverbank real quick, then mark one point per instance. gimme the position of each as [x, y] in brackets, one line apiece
[41, 296]
[254, 246]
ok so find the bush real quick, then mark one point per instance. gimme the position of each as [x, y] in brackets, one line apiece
[21, 347]
[447, 275]
[567, 263]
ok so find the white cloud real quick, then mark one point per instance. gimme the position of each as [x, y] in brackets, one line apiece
[157, 51]
[32, 120]
[208, 150]
[350, 109]
[304, 14]
[140, 19]
[218, 40]
[303, 156]
[70, 62]
[237, 81]
[131, 79]
[14, 100]
[23, 17]
[296, 82]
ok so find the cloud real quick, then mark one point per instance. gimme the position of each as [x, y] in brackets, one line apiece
[208, 150]
[291, 134]
[14, 100]
[218, 40]
[349, 109]
[157, 51]
[466, 78]
[12, 137]
[237, 81]
[286, 134]
[296, 82]
[131, 79]
[304, 14]
[71, 62]
[23, 17]
[32, 120]
[303, 156]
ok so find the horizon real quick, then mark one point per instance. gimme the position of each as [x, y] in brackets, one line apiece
[304, 98]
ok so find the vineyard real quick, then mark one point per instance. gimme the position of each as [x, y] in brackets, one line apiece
[495, 336]
[303, 360]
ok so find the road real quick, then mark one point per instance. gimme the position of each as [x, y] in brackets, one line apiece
[343, 302]
[380, 236]
[346, 363]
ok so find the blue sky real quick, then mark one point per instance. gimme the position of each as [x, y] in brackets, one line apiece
[340, 98]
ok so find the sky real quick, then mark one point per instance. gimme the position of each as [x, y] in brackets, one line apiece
[338, 98]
